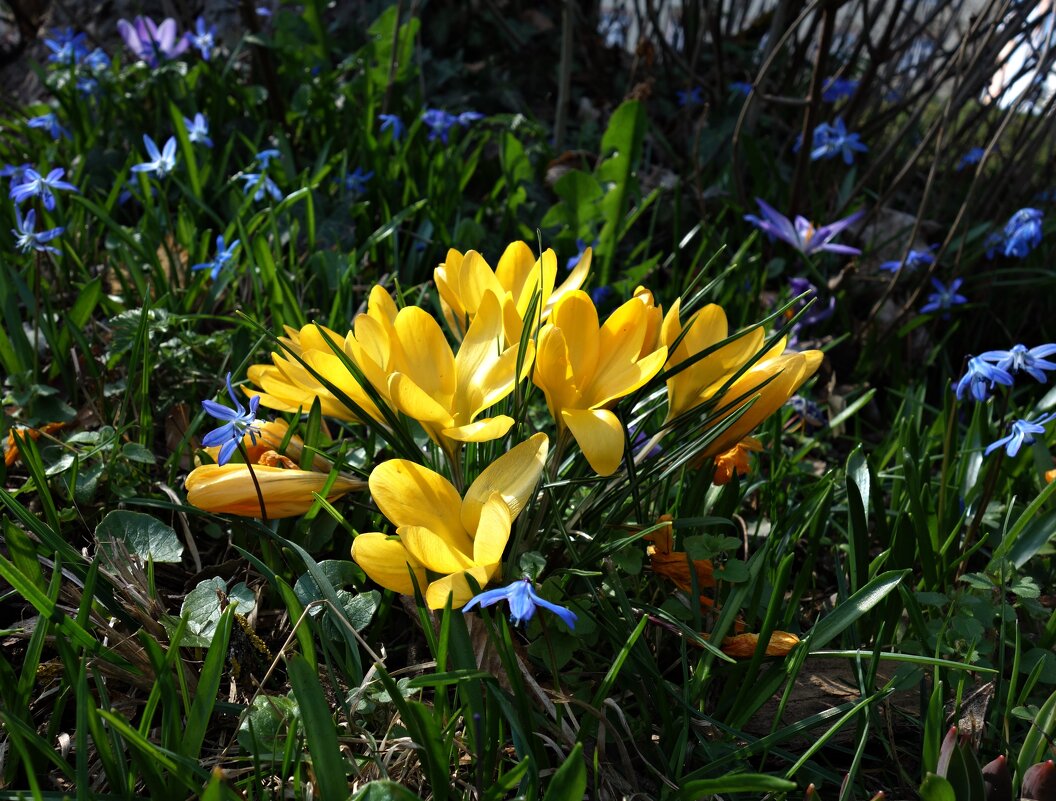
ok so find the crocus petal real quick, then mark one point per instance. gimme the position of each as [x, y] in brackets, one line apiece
[577, 317]
[411, 495]
[575, 279]
[388, 563]
[493, 530]
[433, 551]
[415, 402]
[599, 435]
[457, 587]
[514, 475]
[429, 360]
[486, 430]
[230, 489]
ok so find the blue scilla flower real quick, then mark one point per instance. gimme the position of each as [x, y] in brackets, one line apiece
[356, 181]
[687, 98]
[263, 185]
[27, 238]
[33, 184]
[838, 88]
[66, 46]
[161, 162]
[973, 156]
[49, 122]
[439, 123]
[944, 297]
[523, 601]
[914, 260]
[834, 140]
[392, 122]
[581, 248]
[980, 378]
[741, 88]
[97, 61]
[203, 38]
[239, 423]
[1020, 359]
[1023, 432]
[265, 157]
[467, 118]
[224, 256]
[1022, 232]
[198, 129]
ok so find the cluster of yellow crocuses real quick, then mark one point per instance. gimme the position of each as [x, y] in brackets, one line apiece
[511, 324]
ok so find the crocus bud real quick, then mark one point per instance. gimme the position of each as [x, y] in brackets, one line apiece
[1039, 782]
[949, 742]
[997, 780]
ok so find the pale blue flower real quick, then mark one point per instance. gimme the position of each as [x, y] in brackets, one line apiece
[203, 38]
[265, 157]
[834, 140]
[27, 238]
[392, 122]
[523, 600]
[802, 235]
[239, 422]
[914, 259]
[151, 42]
[944, 297]
[980, 378]
[198, 130]
[49, 122]
[356, 181]
[1023, 432]
[263, 185]
[33, 184]
[1021, 360]
[161, 163]
[1022, 232]
[439, 123]
[224, 256]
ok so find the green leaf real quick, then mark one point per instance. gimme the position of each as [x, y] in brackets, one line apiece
[936, 788]
[833, 624]
[208, 685]
[569, 781]
[135, 452]
[736, 783]
[339, 572]
[201, 607]
[327, 761]
[264, 729]
[384, 790]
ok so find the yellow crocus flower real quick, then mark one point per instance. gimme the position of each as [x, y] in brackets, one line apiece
[698, 382]
[446, 392]
[584, 368]
[286, 490]
[463, 280]
[440, 537]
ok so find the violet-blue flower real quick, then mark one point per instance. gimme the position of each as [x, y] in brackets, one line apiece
[801, 234]
[262, 184]
[741, 88]
[980, 378]
[1023, 432]
[33, 184]
[1020, 359]
[838, 88]
[467, 118]
[239, 423]
[265, 156]
[392, 122]
[151, 42]
[523, 600]
[693, 96]
[834, 140]
[914, 259]
[818, 312]
[224, 256]
[1022, 232]
[198, 129]
[49, 122]
[161, 162]
[203, 38]
[581, 247]
[439, 123]
[944, 297]
[27, 238]
[973, 156]
[66, 47]
[356, 181]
